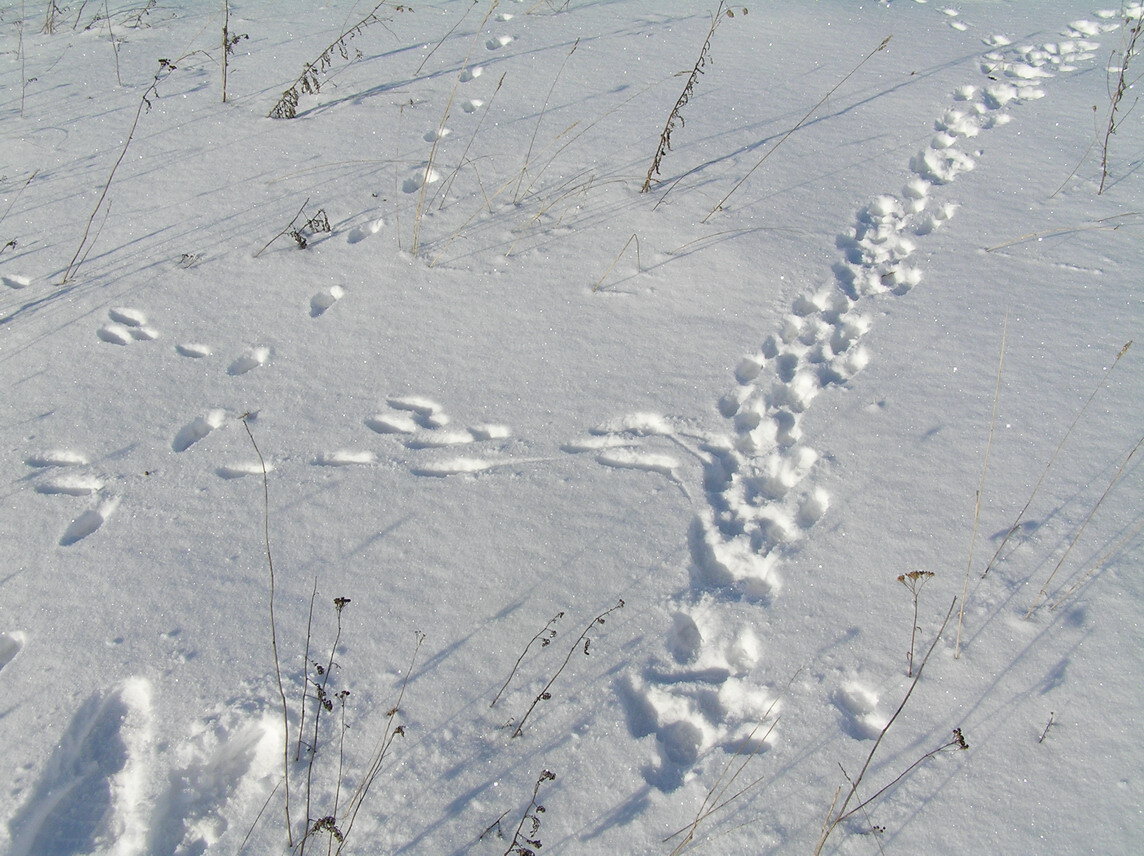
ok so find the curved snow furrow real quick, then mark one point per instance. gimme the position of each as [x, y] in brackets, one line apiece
[761, 478]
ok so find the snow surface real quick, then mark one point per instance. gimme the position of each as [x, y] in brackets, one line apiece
[506, 391]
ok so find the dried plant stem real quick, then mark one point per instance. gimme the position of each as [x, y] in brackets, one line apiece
[981, 484]
[676, 114]
[1102, 224]
[835, 818]
[581, 641]
[523, 842]
[1052, 459]
[1043, 594]
[1108, 554]
[957, 742]
[800, 123]
[274, 627]
[464, 159]
[914, 581]
[305, 671]
[166, 67]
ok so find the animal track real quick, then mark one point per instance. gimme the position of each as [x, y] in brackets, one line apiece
[758, 479]
[126, 326]
[16, 281]
[859, 708]
[254, 358]
[324, 299]
[11, 644]
[194, 350]
[91, 520]
[62, 473]
[423, 423]
[198, 429]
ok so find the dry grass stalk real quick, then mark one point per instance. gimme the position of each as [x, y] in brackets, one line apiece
[582, 641]
[539, 119]
[166, 68]
[914, 581]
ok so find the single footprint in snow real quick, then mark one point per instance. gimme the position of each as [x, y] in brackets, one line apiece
[455, 466]
[71, 484]
[422, 176]
[861, 718]
[345, 458]
[126, 326]
[197, 429]
[90, 521]
[16, 281]
[360, 233]
[56, 458]
[252, 359]
[193, 350]
[498, 42]
[11, 644]
[242, 469]
[324, 299]
[89, 799]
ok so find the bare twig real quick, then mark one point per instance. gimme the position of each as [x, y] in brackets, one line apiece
[1043, 594]
[616, 260]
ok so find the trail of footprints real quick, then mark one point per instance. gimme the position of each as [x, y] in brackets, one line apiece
[760, 494]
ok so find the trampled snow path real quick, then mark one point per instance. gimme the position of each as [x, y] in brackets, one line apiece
[761, 493]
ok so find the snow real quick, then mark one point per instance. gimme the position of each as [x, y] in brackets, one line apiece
[499, 391]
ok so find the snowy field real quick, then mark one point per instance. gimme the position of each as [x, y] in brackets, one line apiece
[844, 394]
